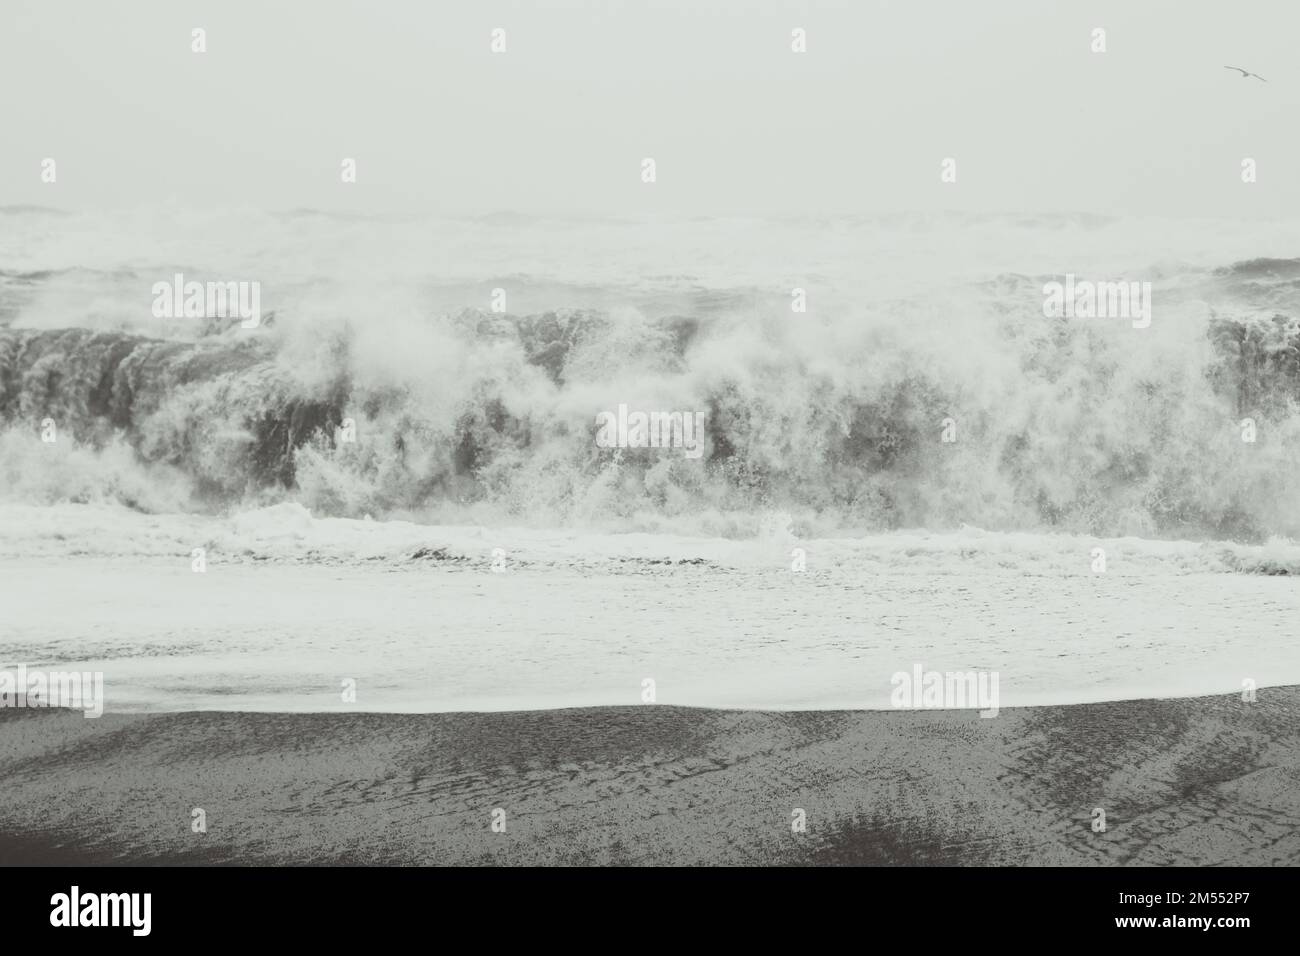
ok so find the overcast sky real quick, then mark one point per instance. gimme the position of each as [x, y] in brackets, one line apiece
[737, 123]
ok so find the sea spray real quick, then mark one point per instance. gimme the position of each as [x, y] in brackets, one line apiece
[953, 404]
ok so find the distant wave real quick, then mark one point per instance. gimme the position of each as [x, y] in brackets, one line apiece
[44, 275]
[1264, 268]
[28, 209]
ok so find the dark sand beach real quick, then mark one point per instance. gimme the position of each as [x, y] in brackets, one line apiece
[1208, 781]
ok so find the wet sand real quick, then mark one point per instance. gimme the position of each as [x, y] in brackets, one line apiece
[1200, 781]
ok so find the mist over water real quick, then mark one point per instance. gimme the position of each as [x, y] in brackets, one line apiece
[834, 416]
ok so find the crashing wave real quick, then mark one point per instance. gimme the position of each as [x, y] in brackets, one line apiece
[838, 422]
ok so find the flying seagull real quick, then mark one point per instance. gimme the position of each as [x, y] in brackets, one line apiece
[1246, 73]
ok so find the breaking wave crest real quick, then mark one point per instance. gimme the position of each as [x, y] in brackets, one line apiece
[836, 417]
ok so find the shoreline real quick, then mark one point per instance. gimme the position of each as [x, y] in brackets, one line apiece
[1192, 781]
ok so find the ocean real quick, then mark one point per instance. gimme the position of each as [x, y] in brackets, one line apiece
[393, 479]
